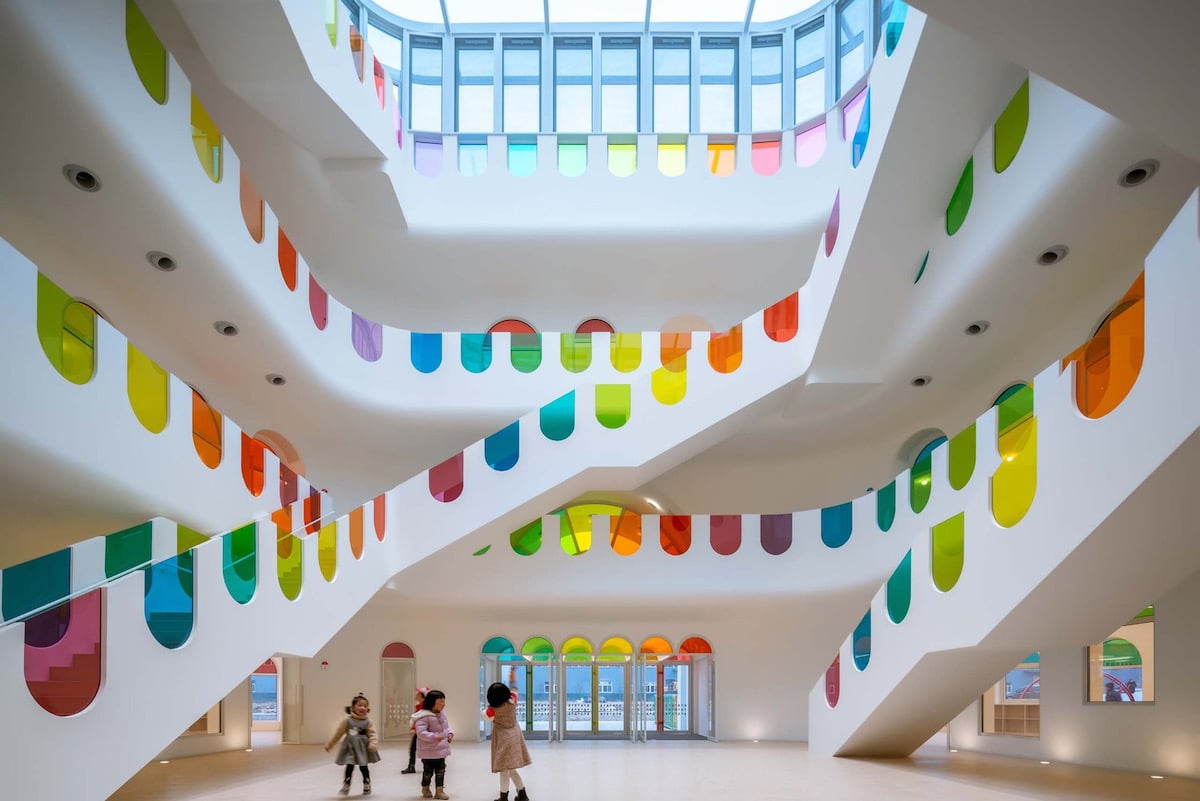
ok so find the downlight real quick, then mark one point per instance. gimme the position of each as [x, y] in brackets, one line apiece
[976, 328]
[921, 381]
[161, 261]
[276, 380]
[1053, 255]
[1139, 173]
[225, 329]
[82, 178]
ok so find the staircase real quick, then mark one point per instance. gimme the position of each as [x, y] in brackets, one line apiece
[917, 663]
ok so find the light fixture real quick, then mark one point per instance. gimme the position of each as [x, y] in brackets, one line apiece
[921, 381]
[1044, 762]
[161, 261]
[1155, 777]
[81, 178]
[1138, 174]
[164, 762]
[225, 328]
[276, 380]
[976, 328]
[248, 750]
[1053, 255]
[954, 750]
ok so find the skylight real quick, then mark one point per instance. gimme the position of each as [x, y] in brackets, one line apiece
[595, 12]
[731, 11]
[469, 12]
[773, 10]
[600, 11]
[415, 10]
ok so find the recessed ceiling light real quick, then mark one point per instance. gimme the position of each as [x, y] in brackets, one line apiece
[976, 328]
[1053, 255]
[161, 261]
[1044, 762]
[81, 178]
[164, 762]
[276, 380]
[1139, 173]
[1156, 777]
[225, 329]
[921, 381]
[954, 750]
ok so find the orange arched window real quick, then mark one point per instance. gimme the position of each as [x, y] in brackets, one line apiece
[207, 425]
[512, 326]
[1107, 366]
[595, 326]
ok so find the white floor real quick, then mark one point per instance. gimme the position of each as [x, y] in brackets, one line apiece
[656, 771]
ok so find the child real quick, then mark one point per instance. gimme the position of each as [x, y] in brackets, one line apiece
[418, 699]
[508, 741]
[361, 746]
[433, 743]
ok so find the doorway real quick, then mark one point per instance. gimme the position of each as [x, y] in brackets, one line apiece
[676, 697]
[595, 702]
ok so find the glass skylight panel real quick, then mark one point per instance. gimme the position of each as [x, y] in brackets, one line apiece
[387, 48]
[425, 83]
[475, 68]
[597, 11]
[810, 71]
[728, 11]
[672, 85]
[469, 12]
[573, 84]
[522, 85]
[852, 27]
[619, 85]
[415, 10]
[766, 83]
[775, 10]
[718, 84]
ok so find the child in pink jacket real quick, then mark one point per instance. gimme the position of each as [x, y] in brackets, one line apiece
[433, 743]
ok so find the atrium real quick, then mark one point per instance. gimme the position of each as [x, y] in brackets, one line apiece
[803, 372]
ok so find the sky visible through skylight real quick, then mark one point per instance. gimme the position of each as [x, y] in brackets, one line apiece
[599, 12]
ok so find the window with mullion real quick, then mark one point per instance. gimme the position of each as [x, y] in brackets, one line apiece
[619, 84]
[810, 71]
[474, 79]
[522, 85]
[718, 84]
[766, 83]
[852, 49]
[425, 83]
[573, 84]
[672, 84]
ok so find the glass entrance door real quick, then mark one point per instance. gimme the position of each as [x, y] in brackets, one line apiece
[676, 697]
[533, 681]
[595, 697]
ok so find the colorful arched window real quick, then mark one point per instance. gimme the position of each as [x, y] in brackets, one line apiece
[207, 425]
[1107, 366]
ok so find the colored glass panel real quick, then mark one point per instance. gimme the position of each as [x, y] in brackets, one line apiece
[253, 464]
[894, 26]
[960, 201]
[357, 531]
[318, 303]
[962, 457]
[538, 647]
[656, 645]
[252, 207]
[595, 326]
[327, 551]
[615, 649]
[522, 159]
[675, 534]
[289, 565]
[625, 532]
[574, 531]
[810, 145]
[575, 352]
[312, 510]
[725, 350]
[397, 650]
[207, 426]
[722, 158]
[862, 132]
[356, 50]
[766, 156]
[899, 590]
[668, 386]
[775, 533]
[425, 351]
[446, 479]
[781, 320]
[1108, 365]
[77, 655]
[526, 540]
[695, 645]
[557, 418]
[239, 562]
[885, 506]
[127, 550]
[147, 53]
[502, 450]
[833, 682]
[206, 138]
[381, 83]
[947, 547]
[472, 158]
[921, 269]
[577, 649]
[36, 583]
[834, 223]
[289, 485]
[920, 477]
[725, 533]
[860, 642]
[168, 603]
[475, 352]
[427, 157]
[367, 338]
[67, 331]
[497, 645]
[612, 405]
[147, 385]
[1014, 483]
[287, 261]
[1009, 130]
[852, 112]
[572, 159]
[625, 351]
[622, 159]
[673, 350]
[837, 524]
[379, 516]
[672, 159]
[331, 12]
[525, 352]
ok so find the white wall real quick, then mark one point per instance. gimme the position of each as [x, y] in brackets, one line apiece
[758, 696]
[1162, 737]
[235, 729]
